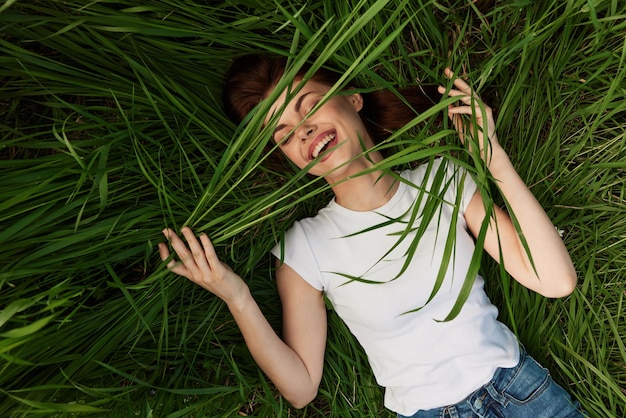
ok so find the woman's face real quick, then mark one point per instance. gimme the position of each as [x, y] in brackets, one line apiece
[334, 134]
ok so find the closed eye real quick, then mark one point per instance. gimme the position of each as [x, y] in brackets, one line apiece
[311, 107]
[285, 140]
[276, 136]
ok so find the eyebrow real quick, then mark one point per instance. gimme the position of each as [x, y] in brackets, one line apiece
[300, 99]
[297, 107]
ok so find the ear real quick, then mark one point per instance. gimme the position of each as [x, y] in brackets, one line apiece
[357, 101]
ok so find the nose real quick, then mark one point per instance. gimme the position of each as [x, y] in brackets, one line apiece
[305, 131]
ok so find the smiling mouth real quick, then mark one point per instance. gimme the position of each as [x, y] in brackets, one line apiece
[323, 144]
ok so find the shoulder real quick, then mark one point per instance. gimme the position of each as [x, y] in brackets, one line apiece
[445, 177]
[427, 169]
[430, 173]
[299, 248]
[314, 225]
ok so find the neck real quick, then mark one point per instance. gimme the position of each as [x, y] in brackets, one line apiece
[364, 192]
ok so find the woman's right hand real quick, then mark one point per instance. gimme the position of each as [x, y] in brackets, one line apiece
[200, 264]
[295, 365]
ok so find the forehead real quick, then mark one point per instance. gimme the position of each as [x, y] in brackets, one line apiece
[311, 87]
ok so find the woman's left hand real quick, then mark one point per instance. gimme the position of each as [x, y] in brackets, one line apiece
[550, 272]
[481, 127]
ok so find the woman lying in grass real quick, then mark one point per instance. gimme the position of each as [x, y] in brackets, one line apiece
[354, 252]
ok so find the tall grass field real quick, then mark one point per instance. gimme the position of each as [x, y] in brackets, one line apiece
[112, 128]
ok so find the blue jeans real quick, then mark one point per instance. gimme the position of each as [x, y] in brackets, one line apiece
[523, 391]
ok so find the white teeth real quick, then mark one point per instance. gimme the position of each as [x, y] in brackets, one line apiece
[322, 144]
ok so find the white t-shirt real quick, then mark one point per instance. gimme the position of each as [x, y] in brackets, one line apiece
[356, 259]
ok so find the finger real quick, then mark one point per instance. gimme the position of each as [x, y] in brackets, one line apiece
[460, 84]
[456, 93]
[197, 263]
[196, 249]
[209, 251]
[180, 269]
[164, 252]
[452, 92]
[462, 110]
[480, 111]
[442, 90]
[173, 265]
[180, 248]
[466, 99]
[459, 125]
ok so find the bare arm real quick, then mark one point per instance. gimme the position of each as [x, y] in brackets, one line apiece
[553, 274]
[293, 365]
[304, 326]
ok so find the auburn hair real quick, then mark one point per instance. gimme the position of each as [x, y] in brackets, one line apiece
[252, 77]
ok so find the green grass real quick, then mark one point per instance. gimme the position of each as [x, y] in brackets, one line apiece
[111, 129]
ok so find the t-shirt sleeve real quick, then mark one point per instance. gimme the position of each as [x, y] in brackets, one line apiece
[460, 181]
[295, 251]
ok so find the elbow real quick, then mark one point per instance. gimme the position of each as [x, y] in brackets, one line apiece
[563, 287]
[299, 404]
[302, 398]
[569, 287]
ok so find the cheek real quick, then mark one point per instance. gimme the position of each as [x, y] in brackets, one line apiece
[292, 154]
[353, 122]
[348, 113]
